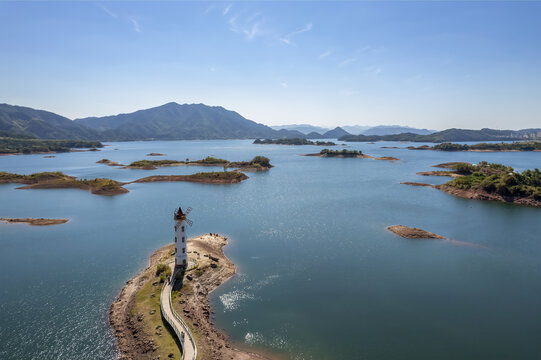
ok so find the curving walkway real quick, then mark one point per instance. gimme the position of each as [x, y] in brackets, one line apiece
[189, 349]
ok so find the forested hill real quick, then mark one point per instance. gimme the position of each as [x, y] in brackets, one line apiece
[451, 135]
[167, 122]
[25, 121]
[173, 121]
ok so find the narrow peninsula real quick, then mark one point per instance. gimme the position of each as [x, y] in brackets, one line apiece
[136, 318]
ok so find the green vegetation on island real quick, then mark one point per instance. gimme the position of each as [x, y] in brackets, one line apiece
[294, 141]
[514, 146]
[59, 180]
[498, 179]
[26, 145]
[486, 181]
[340, 153]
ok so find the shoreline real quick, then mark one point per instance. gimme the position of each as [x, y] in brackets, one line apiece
[478, 195]
[190, 299]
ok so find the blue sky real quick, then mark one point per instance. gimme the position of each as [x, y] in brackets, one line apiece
[425, 64]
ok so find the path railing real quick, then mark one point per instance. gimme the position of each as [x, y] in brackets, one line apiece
[183, 329]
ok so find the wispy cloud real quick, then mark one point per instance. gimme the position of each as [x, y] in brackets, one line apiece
[135, 24]
[108, 12]
[346, 61]
[249, 28]
[226, 10]
[325, 54]
[287, 39]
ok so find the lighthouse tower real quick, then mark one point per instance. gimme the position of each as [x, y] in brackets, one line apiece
[181, 253]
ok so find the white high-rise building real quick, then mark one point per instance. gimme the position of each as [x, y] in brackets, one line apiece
[181, 252]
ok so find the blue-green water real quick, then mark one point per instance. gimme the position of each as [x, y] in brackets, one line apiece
[319, 277]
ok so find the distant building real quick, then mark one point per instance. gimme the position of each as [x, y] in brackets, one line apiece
[181, 252]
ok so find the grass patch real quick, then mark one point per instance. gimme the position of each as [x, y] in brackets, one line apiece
[147, 301]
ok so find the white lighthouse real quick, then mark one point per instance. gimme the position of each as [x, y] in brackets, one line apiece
[181, 252]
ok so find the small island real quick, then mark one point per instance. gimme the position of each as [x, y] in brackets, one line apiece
[155, 154]
[258, 163]
[59, 180]
[496, 182]
[108, 162]
[294, 141]
[22, 146]
[136, 318]
[217, 177]
[412, 233]
[514, 146]
[34, 221]
[349, 154]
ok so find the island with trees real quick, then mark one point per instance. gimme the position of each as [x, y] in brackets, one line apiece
[514, 146]
[28, 145]
[215, 177]
[344, 153]
[294, 141]
[497, 182]
[258, 163]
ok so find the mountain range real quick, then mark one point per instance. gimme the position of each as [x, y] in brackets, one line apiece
[451, 135]
[355, 129]
[173, 121]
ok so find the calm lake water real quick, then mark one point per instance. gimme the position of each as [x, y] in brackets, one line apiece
[319, 276]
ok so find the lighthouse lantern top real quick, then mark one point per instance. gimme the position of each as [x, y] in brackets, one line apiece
[179, 215]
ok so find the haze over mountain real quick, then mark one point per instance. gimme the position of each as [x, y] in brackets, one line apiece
[303, 128]
[355, 129]
[395, 129]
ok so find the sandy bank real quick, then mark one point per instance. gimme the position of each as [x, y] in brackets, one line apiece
[412, 233]
[35, 222]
